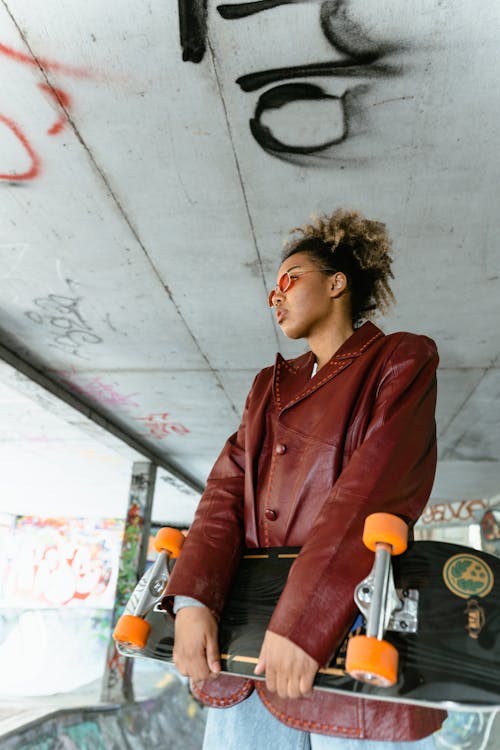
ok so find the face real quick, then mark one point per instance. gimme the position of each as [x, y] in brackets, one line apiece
[306, 306]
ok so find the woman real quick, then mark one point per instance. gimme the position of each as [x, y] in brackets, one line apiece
[342, 431]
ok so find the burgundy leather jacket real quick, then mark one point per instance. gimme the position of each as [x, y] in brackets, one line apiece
[310, 460]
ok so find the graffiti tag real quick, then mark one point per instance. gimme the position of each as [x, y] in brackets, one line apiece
[58, 95]
[68, 328]
[464, 511]
[159, 425]
[360, 59]
[96, 389]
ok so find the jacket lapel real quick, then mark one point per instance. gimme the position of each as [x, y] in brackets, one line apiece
[292, 378]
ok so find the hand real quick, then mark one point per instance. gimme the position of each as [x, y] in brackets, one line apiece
[196, 648]
[289, 670]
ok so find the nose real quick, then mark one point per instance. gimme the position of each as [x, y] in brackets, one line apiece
[275, 296]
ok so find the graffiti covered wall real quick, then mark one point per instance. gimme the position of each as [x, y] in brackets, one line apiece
[57, 581]
[69, 562]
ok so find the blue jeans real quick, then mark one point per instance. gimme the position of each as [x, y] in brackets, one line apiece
[250, 726]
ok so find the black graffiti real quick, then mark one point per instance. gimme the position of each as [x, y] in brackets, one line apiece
[139, 482]
[347, 36]
[193, 29]
[277, 97]
[68, 328]
[361, 60]
[242, 10]
[178, 485]
[338, 68]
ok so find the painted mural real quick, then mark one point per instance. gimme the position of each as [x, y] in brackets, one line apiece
[60, 562]
[60, 583]
[58, 579]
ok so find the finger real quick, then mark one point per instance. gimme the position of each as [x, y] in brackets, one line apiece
[213, 656]
[292, 689]
[261, 666]
[192, 665]
[179, 665]
[202, 671]
[198, 669]
[306, 686]
[271, 679]
[179, 661]
[282, 685]
[261, 663]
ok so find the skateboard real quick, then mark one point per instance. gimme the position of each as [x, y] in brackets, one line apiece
[428, 629]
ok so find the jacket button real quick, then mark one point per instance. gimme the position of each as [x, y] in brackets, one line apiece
[280, 449]
[270, 514]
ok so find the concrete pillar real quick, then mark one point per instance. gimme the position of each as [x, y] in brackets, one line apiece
[117, 681]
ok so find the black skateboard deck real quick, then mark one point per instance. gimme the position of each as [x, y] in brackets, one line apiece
[451, 661]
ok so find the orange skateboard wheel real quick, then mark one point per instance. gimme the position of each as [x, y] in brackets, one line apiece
[372, 661]
[388, 529]
[132, 631]
[169, 540]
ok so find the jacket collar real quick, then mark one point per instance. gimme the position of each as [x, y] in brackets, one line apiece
[292, 378]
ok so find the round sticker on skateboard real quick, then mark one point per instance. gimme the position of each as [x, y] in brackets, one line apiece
[467, 575]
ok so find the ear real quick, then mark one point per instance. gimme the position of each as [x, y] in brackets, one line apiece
[338, 284]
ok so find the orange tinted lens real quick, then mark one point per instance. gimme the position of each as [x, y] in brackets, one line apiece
[285, 282]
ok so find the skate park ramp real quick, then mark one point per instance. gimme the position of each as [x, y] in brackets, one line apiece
[170, 720]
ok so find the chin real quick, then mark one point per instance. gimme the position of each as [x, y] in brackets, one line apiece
[292, 333]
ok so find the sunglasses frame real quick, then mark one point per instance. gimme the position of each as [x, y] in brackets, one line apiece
[291, 282]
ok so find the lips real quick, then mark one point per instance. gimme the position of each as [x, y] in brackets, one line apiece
[280, 314]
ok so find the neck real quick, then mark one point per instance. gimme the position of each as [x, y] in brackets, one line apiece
[324, 345]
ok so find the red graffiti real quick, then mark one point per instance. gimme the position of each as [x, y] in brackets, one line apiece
[135, 516]
[34, 169]
[115, 665]
[44, 63]
[159, 425]
[490, 525]
[64, 101]
[463, 511]
[61, 98]
[96, 389]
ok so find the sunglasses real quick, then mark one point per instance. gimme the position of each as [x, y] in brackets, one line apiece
[287, 282]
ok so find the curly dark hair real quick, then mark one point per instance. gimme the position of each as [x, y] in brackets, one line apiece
[360, 248]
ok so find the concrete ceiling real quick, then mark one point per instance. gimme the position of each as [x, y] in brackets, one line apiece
[58, 462]
[153, 158]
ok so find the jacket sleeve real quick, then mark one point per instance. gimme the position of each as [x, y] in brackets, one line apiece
[392, 470]
[212, 550]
